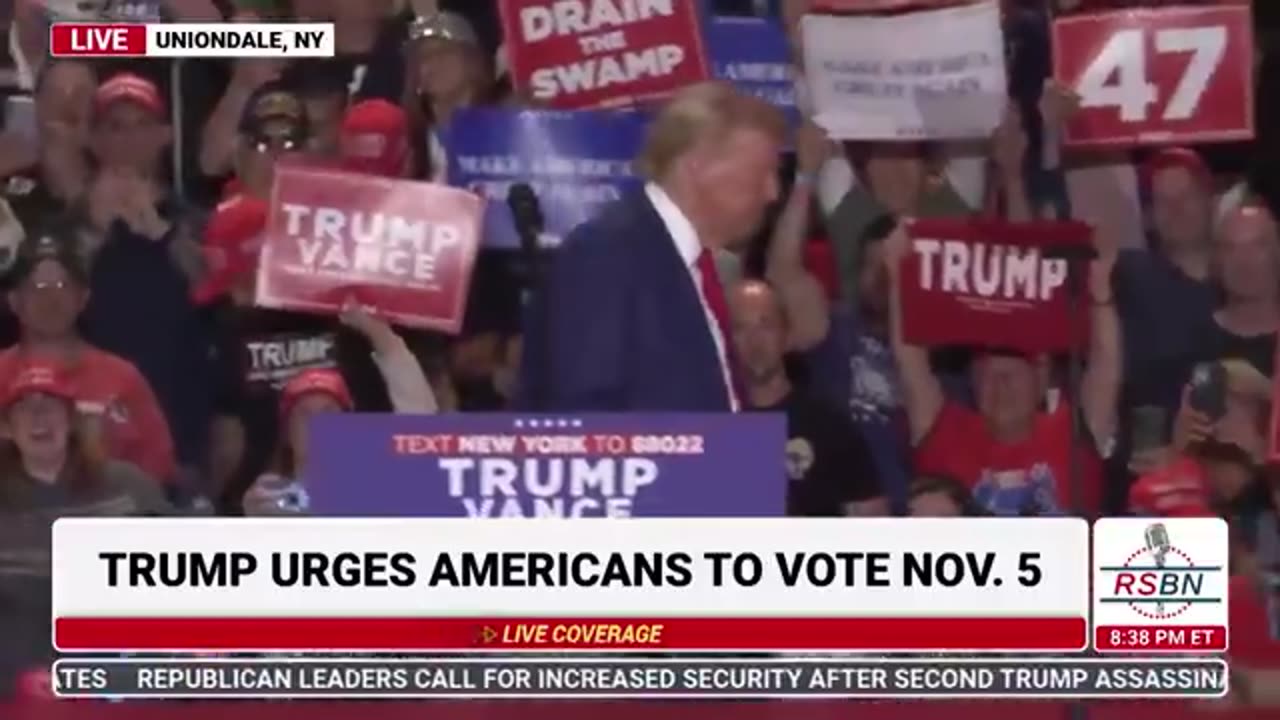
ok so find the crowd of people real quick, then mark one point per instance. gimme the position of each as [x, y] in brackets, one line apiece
[138, 377]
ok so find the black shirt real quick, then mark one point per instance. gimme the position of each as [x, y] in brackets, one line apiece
[828, 462]
[379, 73]
[257, 351]
[140, 308]
[29, 196]
[1218, 343]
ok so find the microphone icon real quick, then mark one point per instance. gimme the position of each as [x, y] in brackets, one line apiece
[1157, 537]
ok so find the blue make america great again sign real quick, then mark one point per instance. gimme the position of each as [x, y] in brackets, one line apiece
[501, 465]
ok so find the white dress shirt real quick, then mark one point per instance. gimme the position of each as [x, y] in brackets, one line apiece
[690, 248]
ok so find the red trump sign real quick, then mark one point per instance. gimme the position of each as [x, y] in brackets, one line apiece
[991, 284]
[404, 248]
[571, 54]
[1158, 75]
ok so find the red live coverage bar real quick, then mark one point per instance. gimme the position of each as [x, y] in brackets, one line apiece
[703, 634]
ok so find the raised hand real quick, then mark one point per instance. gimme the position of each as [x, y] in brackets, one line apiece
[1009, 142]
[138, 199]
[813, 147]
[375, 329]
[1057, 104]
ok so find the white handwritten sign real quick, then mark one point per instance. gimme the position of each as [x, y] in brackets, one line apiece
[936, 74]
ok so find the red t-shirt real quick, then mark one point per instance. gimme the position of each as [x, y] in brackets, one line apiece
[107, 386]
[1029, 477]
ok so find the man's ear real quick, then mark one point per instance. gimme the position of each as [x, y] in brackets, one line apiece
[166, 135]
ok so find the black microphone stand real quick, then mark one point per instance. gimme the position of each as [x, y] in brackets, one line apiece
[526, 213]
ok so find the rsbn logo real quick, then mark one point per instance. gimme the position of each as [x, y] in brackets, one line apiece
[1159, 581]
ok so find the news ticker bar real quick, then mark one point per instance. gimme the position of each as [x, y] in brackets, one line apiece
[549, 678]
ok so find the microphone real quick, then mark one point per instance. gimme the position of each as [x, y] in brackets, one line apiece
[526, 211]
[1157, 537]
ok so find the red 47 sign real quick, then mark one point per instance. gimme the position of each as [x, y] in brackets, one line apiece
[1158, 75]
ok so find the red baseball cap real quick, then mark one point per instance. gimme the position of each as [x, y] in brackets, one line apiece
[375, 138]
[127, 87]
[1177, 157]
[1176, 490]
[324, 381]
[232, 240]
[38, 377]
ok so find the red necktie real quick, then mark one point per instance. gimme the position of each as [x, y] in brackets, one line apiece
[713, 295]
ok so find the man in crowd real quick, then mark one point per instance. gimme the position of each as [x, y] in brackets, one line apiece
[1016, 455]
[829, 465]
[633, 315]
[49, 292]
[257, 350]
[40, 179]
[142, 253]
[1163, 294]
[847, 345]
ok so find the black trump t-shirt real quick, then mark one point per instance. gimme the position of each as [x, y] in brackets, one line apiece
[257, 351]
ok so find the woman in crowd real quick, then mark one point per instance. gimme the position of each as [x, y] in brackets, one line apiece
[323, 390]
[446, 70]
[51, 466]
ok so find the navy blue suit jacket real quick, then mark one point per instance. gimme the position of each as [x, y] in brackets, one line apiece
[617, 324]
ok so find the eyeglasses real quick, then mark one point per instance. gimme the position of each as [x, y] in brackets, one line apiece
[49, 285]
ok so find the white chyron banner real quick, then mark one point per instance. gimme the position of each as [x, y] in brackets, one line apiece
[938, 74]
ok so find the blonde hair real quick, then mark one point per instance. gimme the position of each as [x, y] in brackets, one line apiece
[699, 113]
